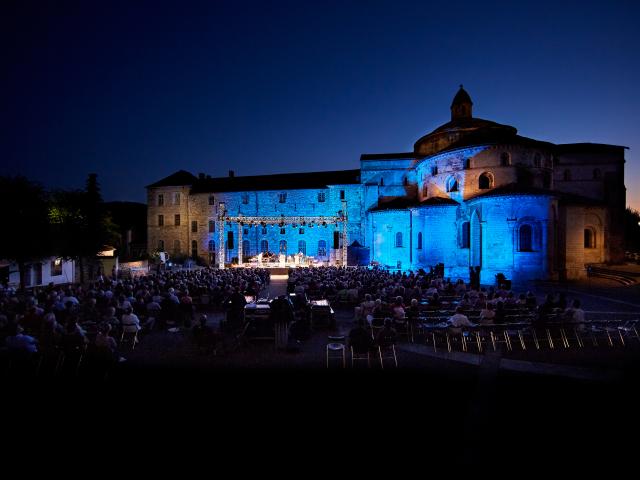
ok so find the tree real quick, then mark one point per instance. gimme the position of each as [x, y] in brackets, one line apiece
[24, 210]
[81, 224]
[632, 230]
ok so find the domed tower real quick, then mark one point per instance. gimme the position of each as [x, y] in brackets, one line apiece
[462, 106]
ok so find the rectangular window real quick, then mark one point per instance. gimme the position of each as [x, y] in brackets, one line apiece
[176, 198]
[341, 194]
[212, 200]
[245, 199]
[161, 220]
[56, 267]
[245, 231]
[160, 200]
[212, 226]
[194, 226]
[434, 170]
[177, 220]
[282, 197]
[161, 245]
[321, 197]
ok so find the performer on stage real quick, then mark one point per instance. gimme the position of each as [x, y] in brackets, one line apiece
[260, 259]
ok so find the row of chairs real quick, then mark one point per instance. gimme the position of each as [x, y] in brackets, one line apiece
[337, 349]
[526, 335]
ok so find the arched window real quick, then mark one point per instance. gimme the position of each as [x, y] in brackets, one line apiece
[465, 235]
[264, 246]
[485, 181]
[526, 238]
[246, 246]
[419, 240]
[452, 184]
[567, 175]
[537, 160]
[302, 247]
[283, 246]
[399, 239]
[505, 159]
[322, 248]
[212, 245]
[597, 174]
[589, 238]
[176, 246]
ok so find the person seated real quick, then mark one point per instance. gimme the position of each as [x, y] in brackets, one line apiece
[413, 312]
[399, 315]
[387, 336]
[487, 315]
[459, 319]
[545, 311]
[19, 343]
[106, 344]
[74, 338]
[360, 339]
[434, 301]
[130, 322]
[575, 314]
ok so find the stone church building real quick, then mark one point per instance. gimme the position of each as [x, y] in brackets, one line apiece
[471, 193]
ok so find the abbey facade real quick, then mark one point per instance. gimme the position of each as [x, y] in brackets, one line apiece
[472, 193]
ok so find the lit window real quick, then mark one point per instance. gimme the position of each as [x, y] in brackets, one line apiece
[589, 238]
[56, 267]
[526, 238]
[485, 181]
[399, 239]
[465, 234]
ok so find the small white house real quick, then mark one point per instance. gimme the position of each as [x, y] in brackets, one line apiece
[50, 270]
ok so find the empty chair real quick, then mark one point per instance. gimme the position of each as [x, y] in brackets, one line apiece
[336, 349]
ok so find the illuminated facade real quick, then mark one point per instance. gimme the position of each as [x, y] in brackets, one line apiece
[472, 193]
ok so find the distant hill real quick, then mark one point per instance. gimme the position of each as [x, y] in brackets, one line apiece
[130, 216]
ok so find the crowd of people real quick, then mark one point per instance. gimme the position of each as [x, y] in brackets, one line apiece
[75, 317]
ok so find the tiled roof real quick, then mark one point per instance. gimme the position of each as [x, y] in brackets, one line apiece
[283, 181]
[179, 178]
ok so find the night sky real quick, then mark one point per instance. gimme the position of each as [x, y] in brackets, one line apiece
[135, 93]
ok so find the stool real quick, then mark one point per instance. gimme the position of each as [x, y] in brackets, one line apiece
[336, 349]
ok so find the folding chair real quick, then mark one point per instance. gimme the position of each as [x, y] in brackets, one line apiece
[388, 351]
[360, 356]
[336, 349]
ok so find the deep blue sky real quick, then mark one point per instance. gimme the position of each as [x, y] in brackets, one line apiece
[137, 92]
